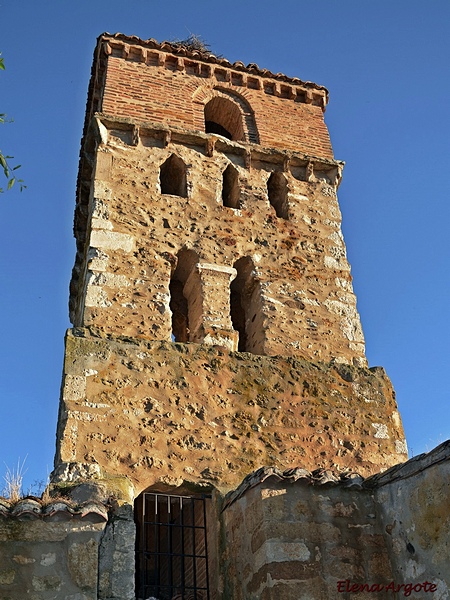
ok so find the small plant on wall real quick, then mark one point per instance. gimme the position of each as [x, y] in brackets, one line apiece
[14, 481]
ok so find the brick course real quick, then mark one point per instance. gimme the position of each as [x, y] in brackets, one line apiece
[163, 93]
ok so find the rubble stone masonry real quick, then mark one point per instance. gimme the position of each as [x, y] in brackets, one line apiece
[216, 324]
[164, 413]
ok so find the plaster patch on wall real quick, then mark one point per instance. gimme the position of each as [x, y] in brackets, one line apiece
[351, 329]
[298, 197]
[442, 592]
[111, 240]
[96, 405]
[401, 447]
[331, 263]
[73, 471]
[269, 493]
[98, 223]
[336, 236]
[7, 577]
[75, 387]
[414, 570]
[79, 415]
[101, 191]
[73, 439]
[108, 279]
[48, 559]
[396, 418]
[271, 300]
[96, 296]
[345, 284]
[381, 431]
[277, 551]
[97, 260]
[361, 393]
[310, 301]
[334, 224]
[339, 308]
[43, 584]
[337, 252]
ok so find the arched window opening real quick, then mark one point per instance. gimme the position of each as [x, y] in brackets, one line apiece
[238, 317]
[172, 177]
[179, 303]
[223, 116]
[246, 309]
[278, 194]
[211, 127]
[230, 187]
[179, 308]
[171, 547]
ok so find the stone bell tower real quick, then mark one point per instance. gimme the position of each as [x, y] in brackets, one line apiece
[220, 435]
[215, 324]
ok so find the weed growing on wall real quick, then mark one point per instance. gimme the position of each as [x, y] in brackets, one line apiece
[14, 481]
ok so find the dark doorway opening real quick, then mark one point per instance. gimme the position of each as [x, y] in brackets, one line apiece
[171, 547]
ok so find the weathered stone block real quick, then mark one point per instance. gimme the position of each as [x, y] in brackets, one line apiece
[82, 562]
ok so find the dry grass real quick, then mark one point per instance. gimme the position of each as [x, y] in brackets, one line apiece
[14, 481]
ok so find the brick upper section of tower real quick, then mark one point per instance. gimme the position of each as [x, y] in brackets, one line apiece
[168, 83]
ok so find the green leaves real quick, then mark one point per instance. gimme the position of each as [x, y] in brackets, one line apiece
[7, 169]
[8, 172]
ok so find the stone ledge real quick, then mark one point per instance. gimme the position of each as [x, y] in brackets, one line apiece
[173, 134]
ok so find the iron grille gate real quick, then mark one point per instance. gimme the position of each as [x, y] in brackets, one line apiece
[172, 552]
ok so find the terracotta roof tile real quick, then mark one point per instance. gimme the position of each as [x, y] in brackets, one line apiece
[317, 477]
[57, 510]
[179, 49]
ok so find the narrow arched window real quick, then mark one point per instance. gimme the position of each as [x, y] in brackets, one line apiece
[180, 316]
[223, 117]
[237, 312]
[277, 193]
[246, 308]
[172, 177]
[230, 187]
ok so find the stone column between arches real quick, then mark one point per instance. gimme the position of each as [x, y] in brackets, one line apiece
[207, 290]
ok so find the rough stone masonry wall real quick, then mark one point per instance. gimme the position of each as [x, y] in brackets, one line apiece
[303, 284]
[413, 503]
[296, 541]
[290, 538]
[158, 412]
[44, 559]
[62, 546]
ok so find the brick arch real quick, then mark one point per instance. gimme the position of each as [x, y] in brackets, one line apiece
[234, 105]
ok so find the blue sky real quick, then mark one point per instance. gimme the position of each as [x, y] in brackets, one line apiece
[386, 65]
